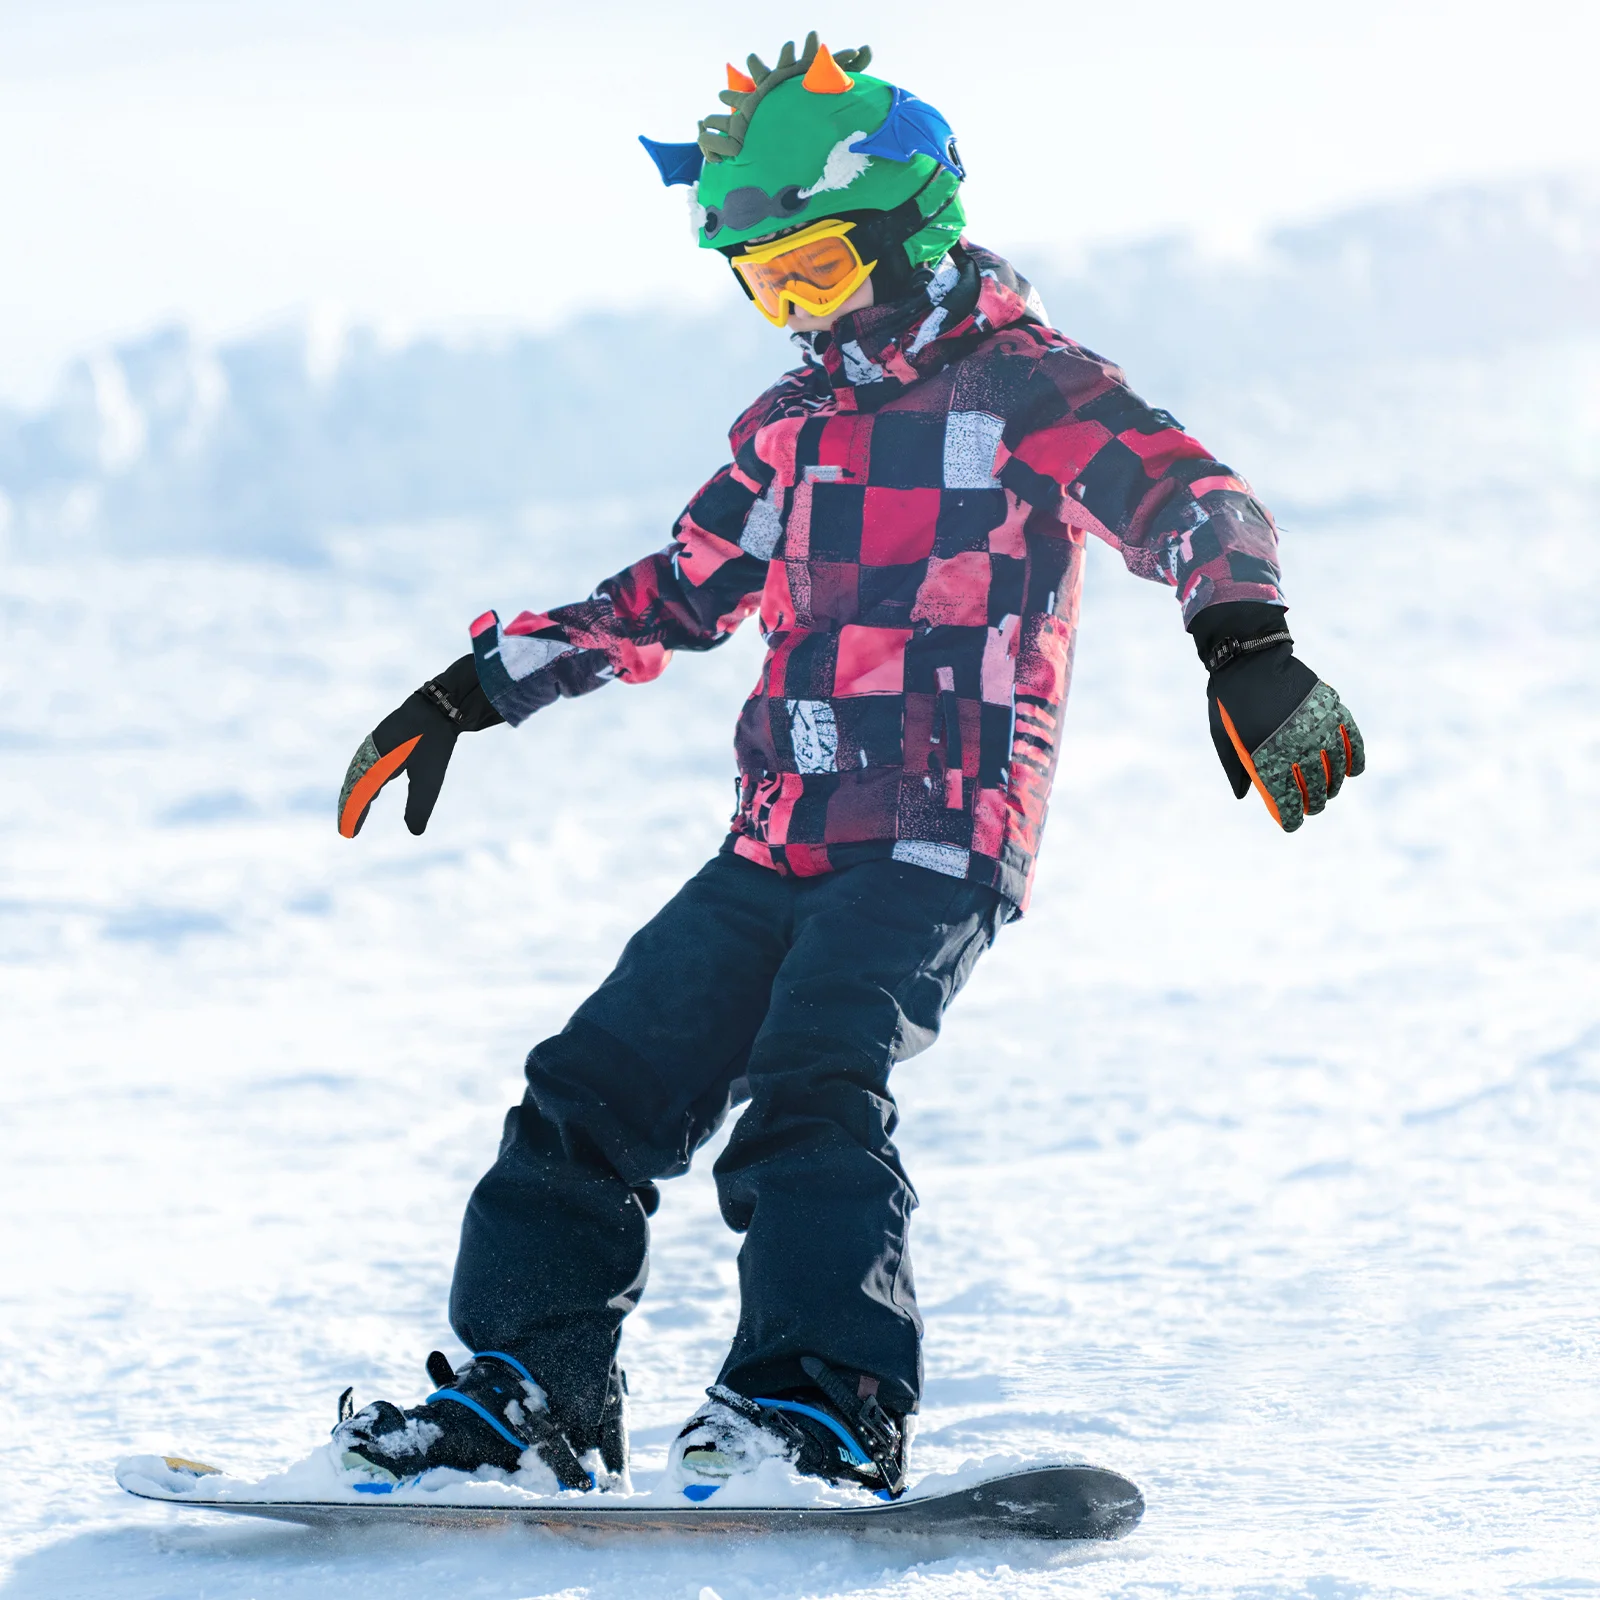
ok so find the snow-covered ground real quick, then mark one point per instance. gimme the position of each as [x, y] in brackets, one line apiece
[1259, 1168]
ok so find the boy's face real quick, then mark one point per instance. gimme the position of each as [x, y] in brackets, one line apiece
[805, 322]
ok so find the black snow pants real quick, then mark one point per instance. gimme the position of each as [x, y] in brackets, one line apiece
[798, 993]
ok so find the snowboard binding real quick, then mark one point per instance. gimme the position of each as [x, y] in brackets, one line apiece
[830, 1432]
[489, 1413]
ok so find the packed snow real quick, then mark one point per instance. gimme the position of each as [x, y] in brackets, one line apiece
[1260, 1169]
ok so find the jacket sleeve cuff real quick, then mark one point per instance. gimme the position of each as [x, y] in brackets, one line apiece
[515, 669]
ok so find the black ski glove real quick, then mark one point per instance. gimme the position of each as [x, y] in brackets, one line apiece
[1274, 722]
[417, 740]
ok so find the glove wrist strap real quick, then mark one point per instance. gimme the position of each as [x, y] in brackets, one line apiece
[1229, 650]
[431, 691]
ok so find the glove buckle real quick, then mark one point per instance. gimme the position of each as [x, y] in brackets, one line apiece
[441, 699]
[1229, 650]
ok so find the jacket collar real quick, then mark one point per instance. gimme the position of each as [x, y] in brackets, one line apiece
[873, 355]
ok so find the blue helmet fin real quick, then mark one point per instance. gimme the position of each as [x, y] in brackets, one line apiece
[913, 128]
[677, 163]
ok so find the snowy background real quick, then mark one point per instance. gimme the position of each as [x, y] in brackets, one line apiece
[1259, 1168]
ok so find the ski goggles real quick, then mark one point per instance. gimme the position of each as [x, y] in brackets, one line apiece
[815, 270]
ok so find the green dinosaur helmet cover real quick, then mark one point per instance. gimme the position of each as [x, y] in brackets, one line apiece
[784, 159]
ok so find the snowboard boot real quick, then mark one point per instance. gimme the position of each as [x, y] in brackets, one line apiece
[490, 1413]
[828, 1431]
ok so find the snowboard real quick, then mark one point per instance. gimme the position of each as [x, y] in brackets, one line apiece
[1053, 1501]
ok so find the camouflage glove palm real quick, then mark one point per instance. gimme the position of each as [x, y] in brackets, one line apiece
[417, 739]
[1274, 723]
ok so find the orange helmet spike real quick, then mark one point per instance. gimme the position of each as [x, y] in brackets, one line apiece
[826, 76]
[741, 82]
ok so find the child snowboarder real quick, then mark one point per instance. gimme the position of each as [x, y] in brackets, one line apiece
[907, 513]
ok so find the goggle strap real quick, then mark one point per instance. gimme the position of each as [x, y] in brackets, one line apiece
[876, 235]
[898, 224]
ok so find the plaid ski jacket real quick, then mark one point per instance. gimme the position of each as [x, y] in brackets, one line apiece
[907, 512]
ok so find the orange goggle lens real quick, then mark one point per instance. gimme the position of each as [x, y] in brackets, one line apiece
[816, 270]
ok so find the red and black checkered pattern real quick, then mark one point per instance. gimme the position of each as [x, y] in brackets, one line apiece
[908, 514]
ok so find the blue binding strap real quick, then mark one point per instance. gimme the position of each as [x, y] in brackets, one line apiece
[510, 1361]
[489, 1417]
[856, 1457]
